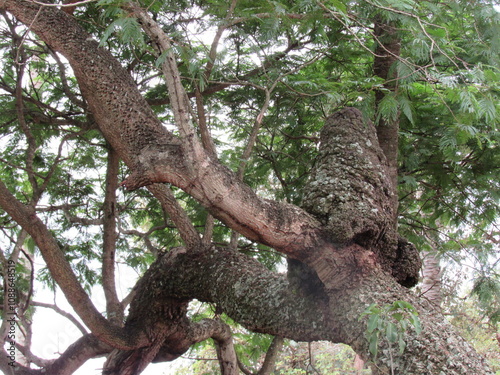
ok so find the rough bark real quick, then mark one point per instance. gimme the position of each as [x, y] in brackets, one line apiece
[348, 189]
[350, 192]
[265, 302]
[153, 153]
[354, 266]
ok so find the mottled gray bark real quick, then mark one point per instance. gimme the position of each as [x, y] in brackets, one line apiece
[265, 302]
[351, 193]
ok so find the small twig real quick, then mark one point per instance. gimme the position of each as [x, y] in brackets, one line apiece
[67, 315]
[64, 5]
[32, 279]
[23, 39]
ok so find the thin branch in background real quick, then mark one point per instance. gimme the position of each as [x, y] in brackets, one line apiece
[21, 44]
[64, 81]
[177, 214]
[233, 244]
[269, 364]
[209, 229]
[212, 56]
[70, 5]
[144, 236]
[32, 279]
[245, 157]
[114, 310]
[311, 358]
[30, 151]
[63, 313]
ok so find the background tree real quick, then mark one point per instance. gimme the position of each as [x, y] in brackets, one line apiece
[215, 142]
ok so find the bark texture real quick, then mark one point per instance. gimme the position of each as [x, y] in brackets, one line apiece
[348, 189]
[345, 245]
[265, 302]
[351, 193]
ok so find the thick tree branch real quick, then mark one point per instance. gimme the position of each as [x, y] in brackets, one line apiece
[155, 154]
[247, 291]
[266, 303]
[85, 348]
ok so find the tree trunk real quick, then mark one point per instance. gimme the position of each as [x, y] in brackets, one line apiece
[348, 240]
[431, 280]
[387, 51]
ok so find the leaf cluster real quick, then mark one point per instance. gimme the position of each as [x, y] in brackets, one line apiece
[388, 324]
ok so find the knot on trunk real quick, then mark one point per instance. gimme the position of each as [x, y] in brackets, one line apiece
[406, 266]
[349, 190]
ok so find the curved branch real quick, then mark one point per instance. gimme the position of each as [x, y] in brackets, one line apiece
[83, 349]
[61, 270]
[243, 288]
[155, 154]
[61, 312]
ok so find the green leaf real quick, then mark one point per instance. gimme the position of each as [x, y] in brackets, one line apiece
[373, 344]
[404, 305]
[391, 332]
[389, 108]
[398, 316]
[488, 109]
[373, 322]
[337, 5]
[127, 28]
[416, 323]
[401, 344]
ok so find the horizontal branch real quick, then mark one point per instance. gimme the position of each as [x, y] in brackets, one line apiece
[259, 299]
[83, 349]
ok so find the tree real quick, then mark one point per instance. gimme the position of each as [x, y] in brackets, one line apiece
[247, 112]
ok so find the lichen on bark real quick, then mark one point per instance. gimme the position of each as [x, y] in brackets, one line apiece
[350, 192]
